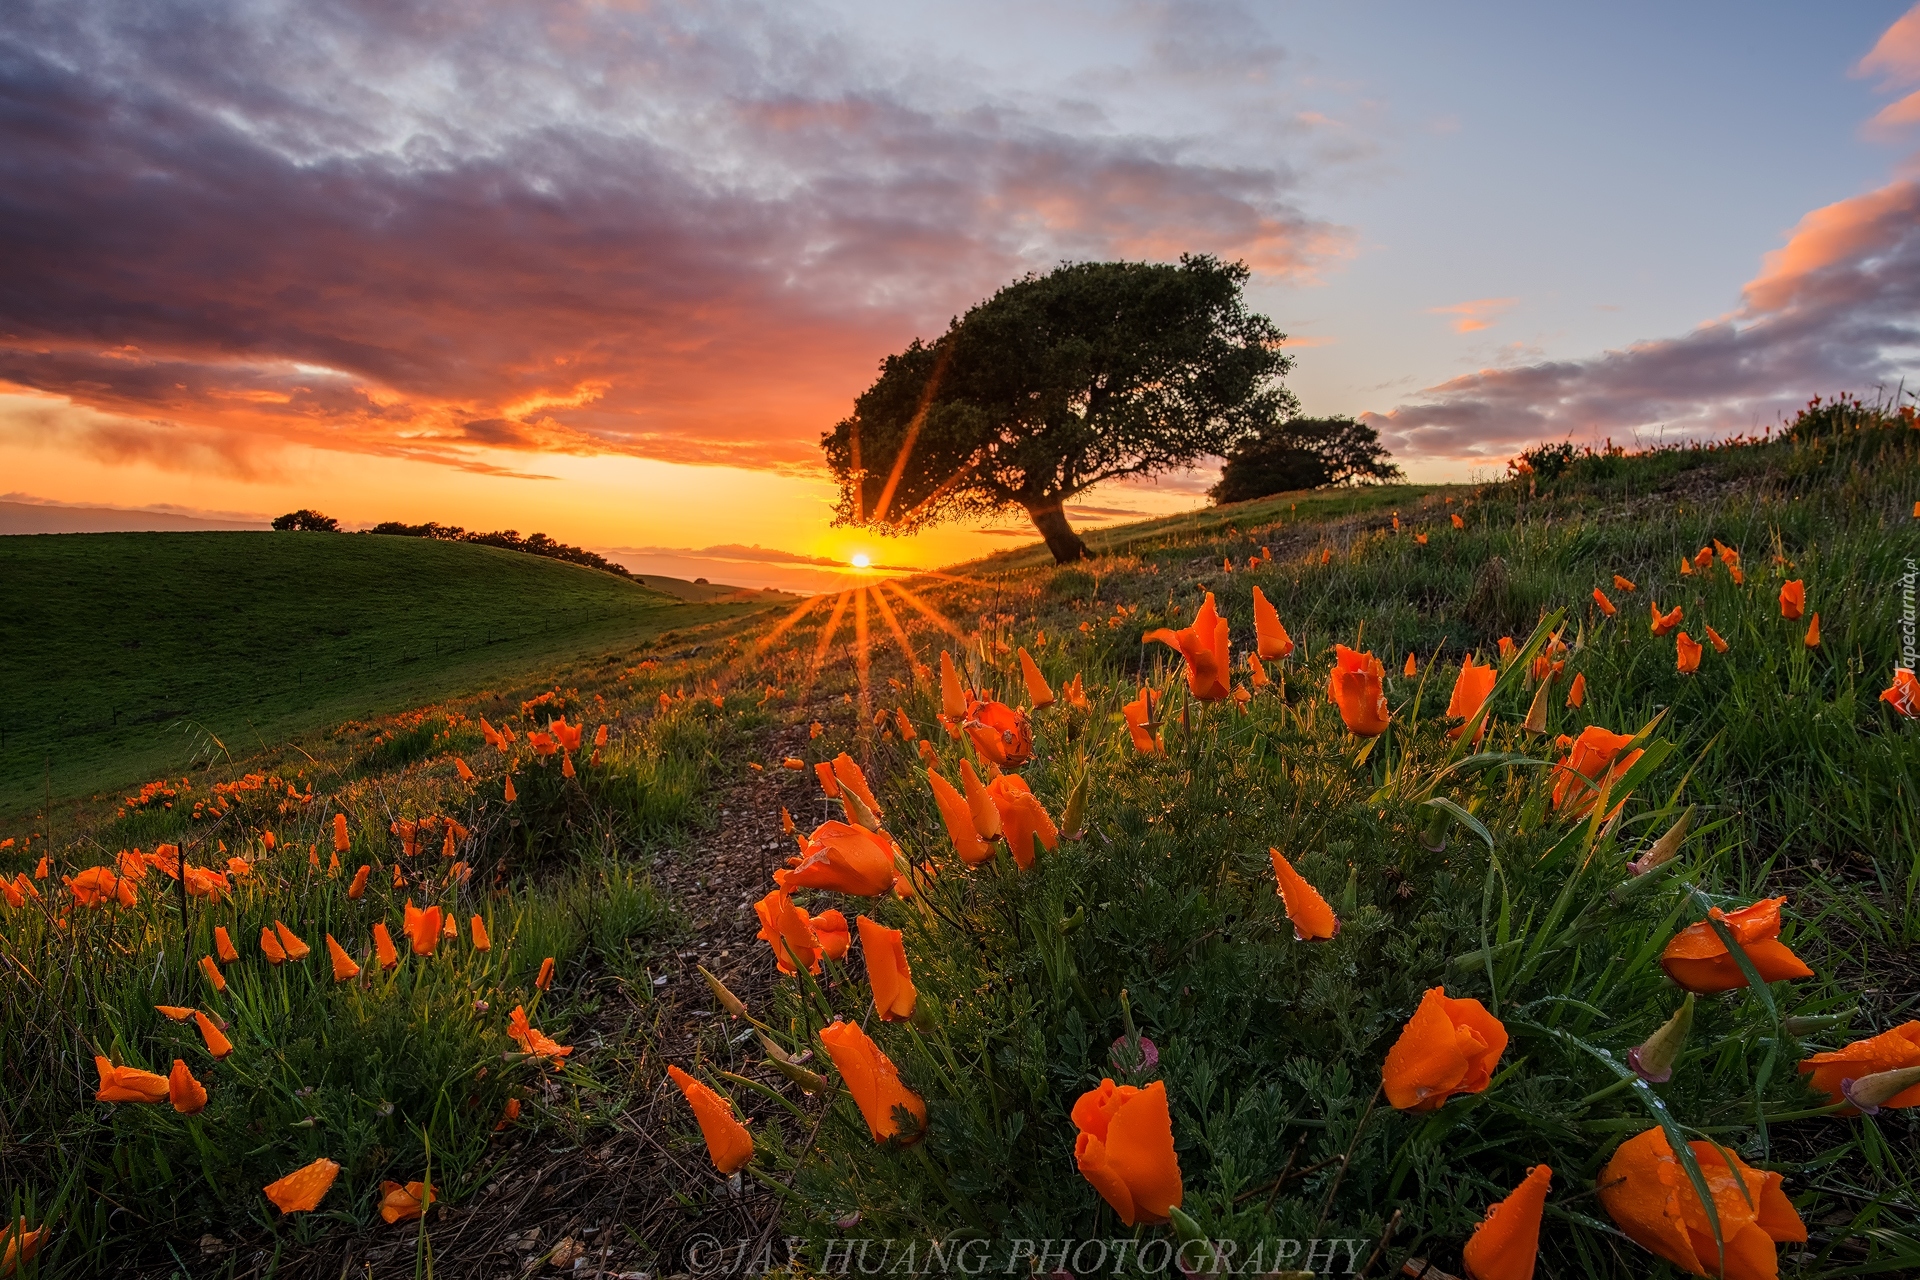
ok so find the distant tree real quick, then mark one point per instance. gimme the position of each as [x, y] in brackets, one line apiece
[534, 544]
[1092, 372]
[305, 521]
[1304, 453]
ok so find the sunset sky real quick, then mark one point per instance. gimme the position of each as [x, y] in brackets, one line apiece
[609, 270]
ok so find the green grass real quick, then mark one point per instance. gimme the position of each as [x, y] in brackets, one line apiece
[128, 656]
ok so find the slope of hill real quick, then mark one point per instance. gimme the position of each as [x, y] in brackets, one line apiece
[126, 655]
[47, 517]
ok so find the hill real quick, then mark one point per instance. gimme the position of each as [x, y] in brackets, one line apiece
[126, 655]
[46, 517]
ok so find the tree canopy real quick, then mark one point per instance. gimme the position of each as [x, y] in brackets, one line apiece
[1304, 453]
[1056, 383]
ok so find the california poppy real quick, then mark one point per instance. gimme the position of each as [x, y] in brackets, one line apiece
[534, 1042]
[344, 966]
[340, 841]
[1354, 687]
[729, 1144]
[1889, 1051]
[1903, 695]
[508, 1115]
[1313, 920]
[175, 1012]
[824, 772]
[1204, 645]
[1022, 818]
[22, 1245]
[1125, 1149]
[98, 886]
[1686, 567]
[1623, 584]
[510, 795]
[1594, 752]
[1449, 1046]
[980, 805]
[1664, 623]
[831, 932]
[544, 981]
[1577, 694]
[1075, 692]
[211, 972]
[1699, 961]
[894, 996]
[953, 699]
[1000, 733]
[271, 948]
[404, 1204]
[1606, 605]
[903, 726]
[1508, 649]
[383, 946]
[1139, 715]
[1412, 668]
[1038, 691]
[873, 1081]
[1257, 674]
[187, 1095]
[128, 1084]
[478, 928]
[359, 886]
[1650, 1198]
[839, 855]
[1687, 652]
[302, 1190]
[216, 1040]
[1719, 645]
[786, 929]
[422, 927]
[959, 821]
[1813, 633]
[847, 772]
[1507, 1243]
[1270, 639]
[223, 945]
[294, 948]
[1458, 523]
[1471, 689]
[1793, 600]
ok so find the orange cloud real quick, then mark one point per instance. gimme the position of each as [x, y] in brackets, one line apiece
[1895, 57]
[1471, 317]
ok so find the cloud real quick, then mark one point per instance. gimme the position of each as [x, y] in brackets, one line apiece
[1471, 317]
[1895, 57]
[1836, 308]
[441, 231]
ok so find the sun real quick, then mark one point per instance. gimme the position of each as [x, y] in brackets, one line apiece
[861, 560]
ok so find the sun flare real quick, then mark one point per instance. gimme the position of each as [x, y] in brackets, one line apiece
[861, 560]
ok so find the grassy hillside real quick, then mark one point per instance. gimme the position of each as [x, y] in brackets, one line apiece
[126, 656]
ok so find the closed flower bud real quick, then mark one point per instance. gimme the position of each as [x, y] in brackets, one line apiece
[1653, 1061]
[1665, 847]
[728, 1001]
[1870, 1093]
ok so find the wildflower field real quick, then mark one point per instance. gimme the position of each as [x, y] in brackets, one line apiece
[1502, 880]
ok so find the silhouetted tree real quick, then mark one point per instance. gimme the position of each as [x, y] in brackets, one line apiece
[305, 521]
[1092, 372]
[1304, 453]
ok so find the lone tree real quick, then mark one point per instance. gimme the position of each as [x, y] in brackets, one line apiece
[305, 521]
[1092, 372]
[1304, 453]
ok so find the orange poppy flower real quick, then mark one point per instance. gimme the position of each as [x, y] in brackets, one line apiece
[508, 1114]
[211, 972]
[787, 929]
[22, 1245]
[1449, 1046]
[1139, 715]
[1204, 646]
[1686, 567]
[302, 1190]
[422, 927]
[99, 886]
[967, 843]
[1507, 650]
[903, 726]
[1039, 692]
[873, 1081]
[1793, 600]
[1623, 584]
[953, 700]
[1687, 652]
[128, 1084]
[176, 1012]
[1458, 523]
[1813, 633]
[1606, 605]
[847, 773]
[1507, 1243]
[267, 839]
[1471, 689]
[1000, 733]
[132, 865]
[1719, 645]
[1076, 693]
[270, 946]
[839, 855]
[1420, 538]
[1577, 694]
[568, 735]
[188, 1096]
[1270, 639]
[203, 883]
[544, 981]
[344, 966]
[534, 1042]
[340, 841]
[383, 947]
[894, 996]
[1412, 668]
[240, 868]
[824, 772]
[405, 1204]
[223, 945]
[1022, 818]
[1125, 1149]
[289, 943]
[1313, 920]
[1699, 961]
[478, 928]
[830, 930]
[358, 888]
[1594, 752]
[729, 1144]
[510, 795]
[1354, 687]
[216, 1040]
[980, 807]
[1651, 1199]
[1664, 623]
[1903, 695]
[1893, 1050]
[1257, 674]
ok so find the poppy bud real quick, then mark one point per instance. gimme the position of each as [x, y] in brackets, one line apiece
[1076, 812]
[1665, 847]
[1870, 1093]
[793, 1071]
[1653, 1060]
[728, 1001]
[1536, 721]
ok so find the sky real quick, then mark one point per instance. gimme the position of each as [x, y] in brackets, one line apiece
[608, 270]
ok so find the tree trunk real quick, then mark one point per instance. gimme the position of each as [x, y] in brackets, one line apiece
[1051, 520]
